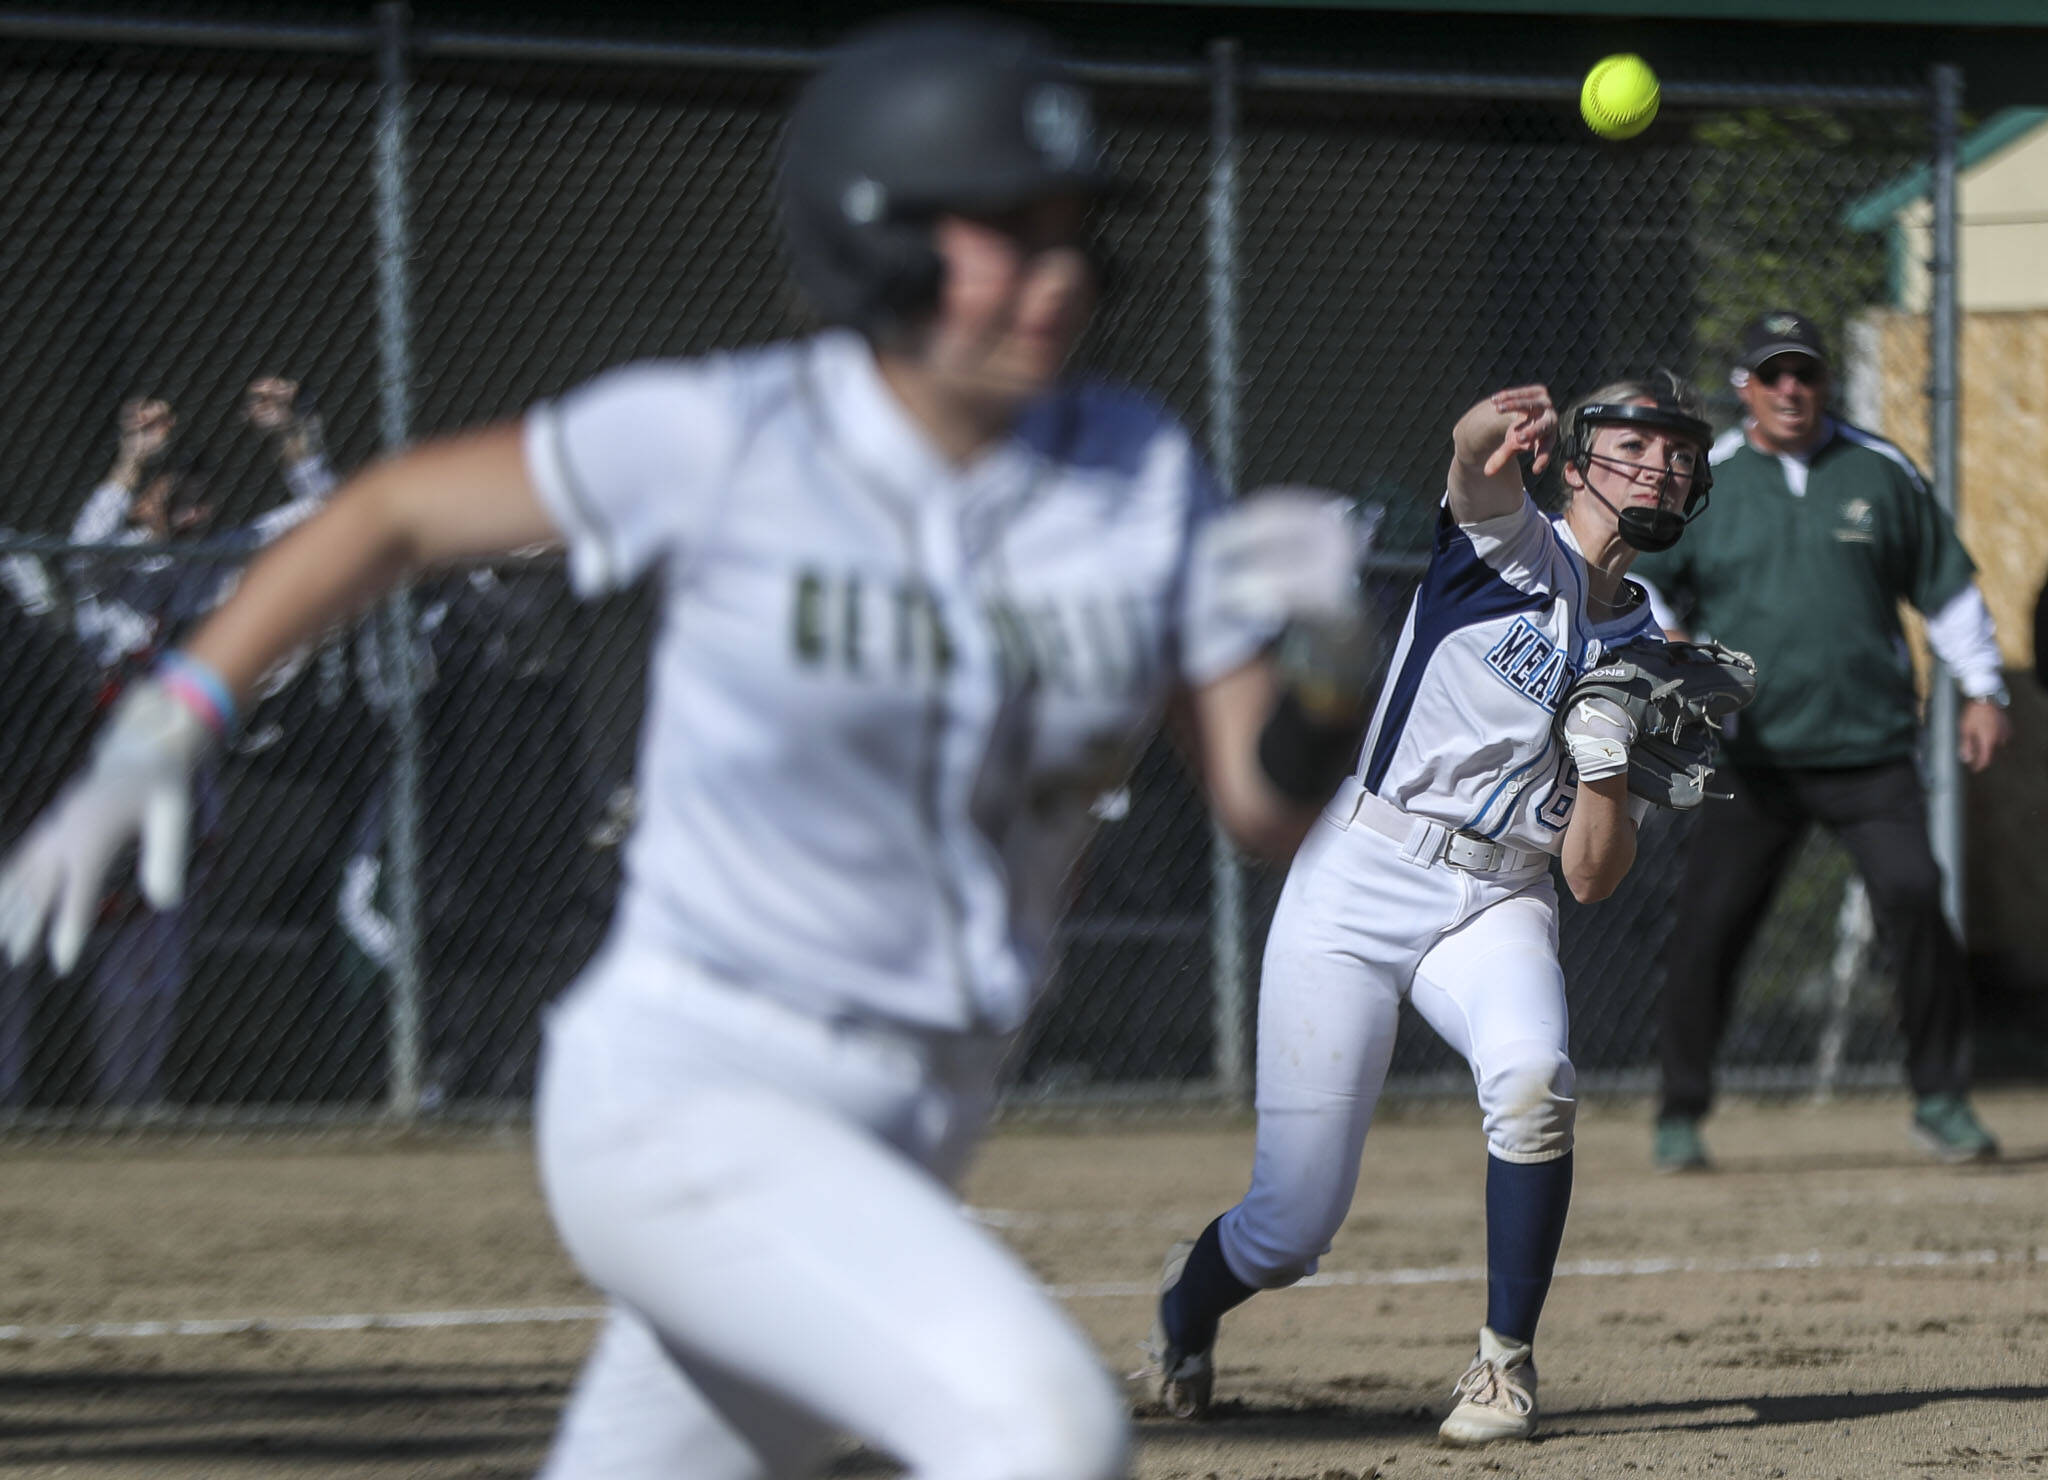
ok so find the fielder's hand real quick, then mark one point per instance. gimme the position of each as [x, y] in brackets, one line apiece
[1494, 432]
[138, 787]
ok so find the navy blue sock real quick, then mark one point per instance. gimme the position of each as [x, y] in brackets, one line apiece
[1191, 1310]
[1525, 1207]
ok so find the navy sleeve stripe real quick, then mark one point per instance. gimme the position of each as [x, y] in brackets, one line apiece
[1458, 589]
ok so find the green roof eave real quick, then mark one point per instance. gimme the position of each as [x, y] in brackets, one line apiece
[2007, 126]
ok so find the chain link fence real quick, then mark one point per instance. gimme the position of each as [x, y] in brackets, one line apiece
[414, 845]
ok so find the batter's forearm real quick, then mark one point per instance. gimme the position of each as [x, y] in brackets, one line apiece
[1227, 718]
[327, 569]
[468, 497]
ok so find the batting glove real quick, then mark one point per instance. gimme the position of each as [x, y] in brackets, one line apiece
[138, 787]
[1598, 734]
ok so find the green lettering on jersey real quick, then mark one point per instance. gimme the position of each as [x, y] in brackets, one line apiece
[1013, 644]
[908, 606]
[807, 619]
[1083, 645]
[943, 651]
[1056, 657]
[849, 631]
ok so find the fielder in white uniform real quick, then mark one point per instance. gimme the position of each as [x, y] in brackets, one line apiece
[1428, 877]
[920, 604]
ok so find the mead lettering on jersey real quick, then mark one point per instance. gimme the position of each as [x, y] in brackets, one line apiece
[1532, 664]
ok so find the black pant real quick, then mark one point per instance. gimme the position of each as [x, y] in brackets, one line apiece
[1738, 854]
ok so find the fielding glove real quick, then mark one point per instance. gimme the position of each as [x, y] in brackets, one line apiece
[1661, 704]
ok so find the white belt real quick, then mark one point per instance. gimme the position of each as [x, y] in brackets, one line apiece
[1424, 841]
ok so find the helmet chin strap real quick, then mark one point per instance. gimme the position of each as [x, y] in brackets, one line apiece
[1648, 530]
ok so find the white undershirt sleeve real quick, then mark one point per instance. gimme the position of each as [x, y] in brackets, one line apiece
[1963, 637]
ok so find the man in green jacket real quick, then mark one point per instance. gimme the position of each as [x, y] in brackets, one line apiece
[1815, 533]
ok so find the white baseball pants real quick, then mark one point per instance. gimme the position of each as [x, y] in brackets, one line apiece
[764, 1197]
[1360, 925]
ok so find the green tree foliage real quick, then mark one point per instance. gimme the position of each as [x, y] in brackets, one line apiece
[1769, 192]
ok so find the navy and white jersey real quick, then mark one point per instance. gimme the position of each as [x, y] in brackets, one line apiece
[1495, 637]
[884, 690]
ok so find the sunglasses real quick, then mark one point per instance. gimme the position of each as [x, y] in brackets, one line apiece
[1771, 372]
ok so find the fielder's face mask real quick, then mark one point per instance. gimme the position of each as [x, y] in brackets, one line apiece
[1644, 529]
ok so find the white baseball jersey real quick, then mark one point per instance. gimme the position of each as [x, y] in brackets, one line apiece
[884, 690]
[1496, 635]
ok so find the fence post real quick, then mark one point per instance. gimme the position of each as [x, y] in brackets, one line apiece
[396, 624]
[1945, 798]
[1227, 975]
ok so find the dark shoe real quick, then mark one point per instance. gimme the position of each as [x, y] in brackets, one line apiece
[1677, 1146]
[1950, 1130]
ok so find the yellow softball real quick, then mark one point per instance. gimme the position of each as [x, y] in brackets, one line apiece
[1620, 96]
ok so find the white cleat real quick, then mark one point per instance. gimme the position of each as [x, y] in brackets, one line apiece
[1496, 1396]
[1186, 1379]
[1185, 1382]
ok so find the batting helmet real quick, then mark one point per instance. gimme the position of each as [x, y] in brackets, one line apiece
[937, 113]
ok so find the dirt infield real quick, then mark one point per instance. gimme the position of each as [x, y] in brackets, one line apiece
[1828, 1304]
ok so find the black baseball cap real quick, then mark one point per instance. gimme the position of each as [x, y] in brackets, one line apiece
[1781, 331]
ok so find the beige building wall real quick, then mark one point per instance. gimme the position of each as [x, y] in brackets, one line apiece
[2003, 517]
[2002, 503]
[2002, 233]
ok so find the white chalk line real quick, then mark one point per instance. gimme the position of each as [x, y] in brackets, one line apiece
[404, 1320]
[1446, 1274]
[1455, 1274]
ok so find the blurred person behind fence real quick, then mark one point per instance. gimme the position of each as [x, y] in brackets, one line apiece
[511, 866]
[1817, 531]
[41, 739]
[128, 610]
